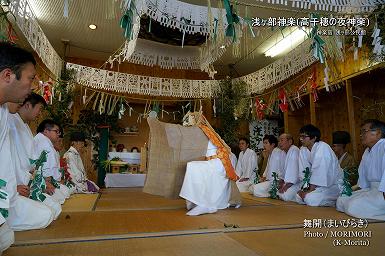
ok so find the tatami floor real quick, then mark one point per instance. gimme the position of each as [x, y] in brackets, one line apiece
[130, 222]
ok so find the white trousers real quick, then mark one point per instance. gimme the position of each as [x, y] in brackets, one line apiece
[27, 214]
[291, 193]
[364, 203]
[53, 204]
[321, 196]
[205, 184]
[244, 185]
[7, 237]
[261, 189]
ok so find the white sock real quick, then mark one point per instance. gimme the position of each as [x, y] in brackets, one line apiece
[198, 210]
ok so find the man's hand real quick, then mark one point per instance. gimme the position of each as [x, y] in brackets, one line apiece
[23, 190]
[285, 187]
[303, 194]
[50, 189]
[243, 179]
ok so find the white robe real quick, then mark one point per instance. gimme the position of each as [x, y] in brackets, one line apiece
[291, 174]
[7, 237]
[6, 234]
[77, 171]
[368, 202]
[275, 163]
[23, 144]
[246, 168]
[205, 183]
[325, 173]
[52, 166]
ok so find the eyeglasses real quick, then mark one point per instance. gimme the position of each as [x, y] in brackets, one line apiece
[363, 132]
[303, 136]
[58, 132]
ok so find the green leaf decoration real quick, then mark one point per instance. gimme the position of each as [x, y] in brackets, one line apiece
[274, 187]
[306, 180]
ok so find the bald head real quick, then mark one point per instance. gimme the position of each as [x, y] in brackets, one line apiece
[285, 141]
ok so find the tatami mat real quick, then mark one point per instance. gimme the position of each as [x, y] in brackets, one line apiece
[293, 242]
[130, 222]
[119, 222]
[208, 245]
[266, 200]
[80, 203]
[275, 215]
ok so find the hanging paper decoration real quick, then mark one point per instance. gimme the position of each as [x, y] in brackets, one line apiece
[232, 19]
[274, 187]
[314, 85]
[260, 107]
[4, 200]
[66, 7]
[47, 91]
[122, 110]
[37, 184]
[346, 187]
[283, 105]
[127, 20]
[306, 180]
[318, 44]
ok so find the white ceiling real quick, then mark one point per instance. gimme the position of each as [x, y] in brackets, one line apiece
[102, 42]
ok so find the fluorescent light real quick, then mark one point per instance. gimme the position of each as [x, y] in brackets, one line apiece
[92, 26]
[292, 40]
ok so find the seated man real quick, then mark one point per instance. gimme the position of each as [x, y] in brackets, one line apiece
[48, 133]
[21, 206]
[345, 159]
[275, 163]
[369, 201]
[321, 188]
[17, 71]
[246, 166]
[22, 135]
[290, 176]
[207, 184]
[75, 165]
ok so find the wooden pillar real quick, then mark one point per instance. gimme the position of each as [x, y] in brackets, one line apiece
[286, 121]
[313, 119]
[352, 120]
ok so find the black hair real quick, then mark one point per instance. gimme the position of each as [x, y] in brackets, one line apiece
[132, 149]
[34, 99]
[376, 124]
[47, 124]
[271, 138]
[245, 140]
[14, 58]
[311, 131]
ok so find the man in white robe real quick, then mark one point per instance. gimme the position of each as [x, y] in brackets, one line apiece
[22, 136]
[324, 170]
[209, 185]
[210, 176]
[76, 167]
[17, 71]
[369, 201]
[290, 184]
[275, 163]
[246, 167]
[48, 134]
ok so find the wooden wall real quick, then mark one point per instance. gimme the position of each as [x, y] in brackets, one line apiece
[331, 111]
